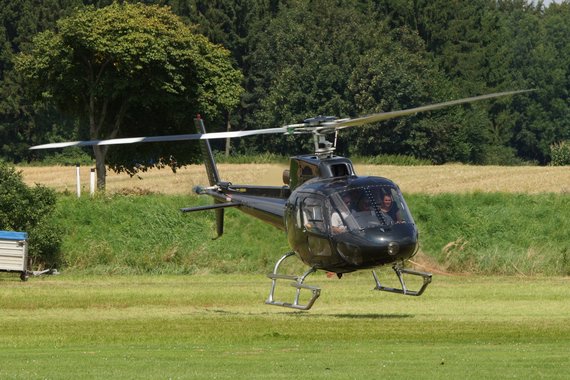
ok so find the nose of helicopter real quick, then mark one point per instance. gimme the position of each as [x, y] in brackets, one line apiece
[378, 246]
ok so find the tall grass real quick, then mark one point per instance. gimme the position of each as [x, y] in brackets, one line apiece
[148, 234]
[477, 232]
[496, 232]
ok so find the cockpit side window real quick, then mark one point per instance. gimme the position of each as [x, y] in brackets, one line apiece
[339, 213]
[313, 219]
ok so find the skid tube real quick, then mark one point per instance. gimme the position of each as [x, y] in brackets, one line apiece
[296, 282]
[404, 290]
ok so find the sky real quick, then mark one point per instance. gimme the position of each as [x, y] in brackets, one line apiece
[547, 2]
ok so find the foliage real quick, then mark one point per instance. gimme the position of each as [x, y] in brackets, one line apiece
[30, 210]
[262, 158]
[300, 66]
[22, 121]
[118, 65]
[485, 46]
[344, 58]
[67, 157]
[401, 75]
[560, 153]
[386, 159]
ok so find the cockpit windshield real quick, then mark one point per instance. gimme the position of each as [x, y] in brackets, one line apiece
[367, 207]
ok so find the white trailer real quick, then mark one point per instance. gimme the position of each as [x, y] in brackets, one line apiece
[14, 253]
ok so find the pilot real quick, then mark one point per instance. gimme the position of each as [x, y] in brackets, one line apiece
[337, 217]
[390, 209]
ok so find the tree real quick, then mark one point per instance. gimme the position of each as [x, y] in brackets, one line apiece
[236, 25]
[301, 63]
[116, 63]
[398, 74]
[538, 59]
[331, 58]
[19, 22]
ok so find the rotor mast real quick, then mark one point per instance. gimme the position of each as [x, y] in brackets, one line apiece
[319, 126]
[323, 147]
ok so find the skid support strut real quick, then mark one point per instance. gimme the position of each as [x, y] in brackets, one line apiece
[404, 290]
[296, 282]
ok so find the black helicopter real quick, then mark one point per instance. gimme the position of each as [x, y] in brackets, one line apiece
[334, 220]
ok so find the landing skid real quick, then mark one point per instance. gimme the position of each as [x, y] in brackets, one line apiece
[404, 290]
[296, 282]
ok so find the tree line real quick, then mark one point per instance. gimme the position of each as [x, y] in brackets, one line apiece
[301, 58]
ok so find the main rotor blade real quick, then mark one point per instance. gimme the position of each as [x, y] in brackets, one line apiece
[393, 114]
[325, 126]
[133, 140]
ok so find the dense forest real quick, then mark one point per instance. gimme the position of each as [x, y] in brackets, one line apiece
[302, 58]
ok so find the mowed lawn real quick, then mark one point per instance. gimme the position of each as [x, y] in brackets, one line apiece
[217, 326]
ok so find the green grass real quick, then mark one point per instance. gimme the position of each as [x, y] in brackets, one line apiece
[216, 326]
[149, 234]
[479, 233]
[496, 232]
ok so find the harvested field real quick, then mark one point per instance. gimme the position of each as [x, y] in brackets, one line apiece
[411, 179]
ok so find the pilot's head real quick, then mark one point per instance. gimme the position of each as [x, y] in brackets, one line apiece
[386, 201]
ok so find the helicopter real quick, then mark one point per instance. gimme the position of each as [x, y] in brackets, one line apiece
[335, 220]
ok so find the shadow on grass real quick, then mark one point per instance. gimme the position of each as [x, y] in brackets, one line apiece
[373, 316]
[308, 314]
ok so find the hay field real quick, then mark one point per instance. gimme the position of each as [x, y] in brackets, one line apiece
[411, 179]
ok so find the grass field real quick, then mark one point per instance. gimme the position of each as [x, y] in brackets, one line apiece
[208, 325]
[216, 326]
[411, 179]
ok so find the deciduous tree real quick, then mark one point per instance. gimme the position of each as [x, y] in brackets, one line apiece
[104, 64]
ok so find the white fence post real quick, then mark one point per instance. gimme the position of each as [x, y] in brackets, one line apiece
[92, 182]
[78, 180]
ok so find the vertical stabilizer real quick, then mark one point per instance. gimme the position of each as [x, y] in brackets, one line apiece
[211, 170]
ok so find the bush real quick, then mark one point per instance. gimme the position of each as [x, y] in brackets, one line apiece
[29, 209]
[560, 153]
[69, 157]
[391, 159]
[253, 158]
[501, 155]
